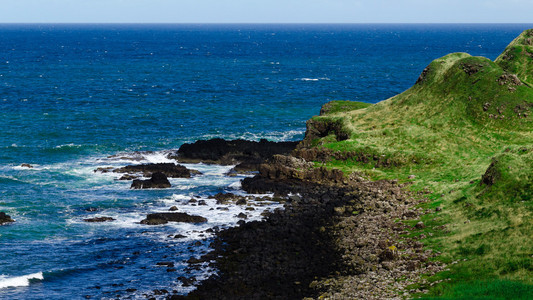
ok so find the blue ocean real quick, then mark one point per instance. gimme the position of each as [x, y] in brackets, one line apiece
[74, 98]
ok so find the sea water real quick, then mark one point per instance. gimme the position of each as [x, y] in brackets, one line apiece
[77, 97]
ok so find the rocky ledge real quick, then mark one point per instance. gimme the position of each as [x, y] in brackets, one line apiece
[247, 155]
[147, 170]
[338, 237]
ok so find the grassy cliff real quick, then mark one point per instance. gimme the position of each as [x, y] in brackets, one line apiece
[464, 131]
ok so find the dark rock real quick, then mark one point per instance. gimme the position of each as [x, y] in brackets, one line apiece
[173, 208]
[412, 265]
[224, 152]
[420, 225]
[158, 181]
[163, 218]
[386, 255]
[242, 216]
[4, 219]
[104, 169]
[26, 166]
[160, 292]
[187, 281]
[247, 167]
[202, 202]
[99, 219]
[492, 174]
[91, 209]
[225, 198]
[179, 236]
[194, 260]
[128, 177]
[169, 169]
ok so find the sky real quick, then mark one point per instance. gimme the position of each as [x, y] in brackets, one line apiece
[266, 11]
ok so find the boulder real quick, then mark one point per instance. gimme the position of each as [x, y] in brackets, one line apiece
[4, 219]
[163, 218]
[157, 181]
[225, 198]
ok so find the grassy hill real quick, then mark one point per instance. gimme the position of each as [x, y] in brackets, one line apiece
[464, 131]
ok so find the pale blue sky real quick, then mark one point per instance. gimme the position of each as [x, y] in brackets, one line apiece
[266, 11]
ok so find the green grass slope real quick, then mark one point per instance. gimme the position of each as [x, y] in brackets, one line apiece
[465, 132]
[517, 57]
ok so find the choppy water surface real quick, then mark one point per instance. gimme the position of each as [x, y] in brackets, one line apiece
[72, 95]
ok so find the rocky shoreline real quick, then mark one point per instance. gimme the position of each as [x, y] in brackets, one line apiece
[338, 237]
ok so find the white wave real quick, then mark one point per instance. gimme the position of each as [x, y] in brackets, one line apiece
[236, 185]
[313, 79]
[158, 157]
[6, 281]
[67, 146]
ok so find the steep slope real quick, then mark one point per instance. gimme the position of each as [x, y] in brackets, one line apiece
[518, 57]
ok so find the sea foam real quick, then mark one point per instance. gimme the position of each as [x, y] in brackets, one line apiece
[24, 280]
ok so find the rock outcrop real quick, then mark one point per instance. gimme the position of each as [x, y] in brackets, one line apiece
[169, 169]
[157, 181]
[218, 151]
[163, 218]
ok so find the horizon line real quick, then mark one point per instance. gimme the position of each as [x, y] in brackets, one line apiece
[264, 23]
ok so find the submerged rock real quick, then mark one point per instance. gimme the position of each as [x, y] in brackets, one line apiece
[158, 181]
[163, 218]
[99, 219]
[4, 219]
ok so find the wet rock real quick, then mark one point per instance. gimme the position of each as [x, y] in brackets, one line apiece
[163, 218]
[173, 208]
[179, 236]
[128, 177]
[242, 216]
[26, 166]
[104, 169]
[187, 281]
[169, 169]
[5, 219]
[225, 198]
[99, 219]
[160, 292]
[157, 181]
